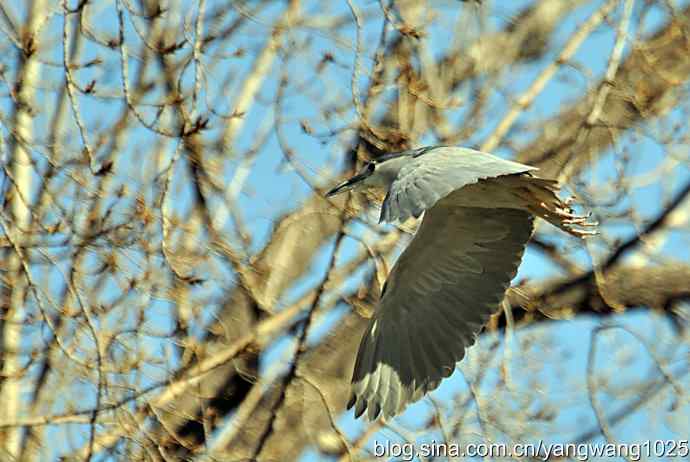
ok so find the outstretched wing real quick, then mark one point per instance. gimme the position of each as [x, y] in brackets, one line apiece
[436, 172]
[439, 295]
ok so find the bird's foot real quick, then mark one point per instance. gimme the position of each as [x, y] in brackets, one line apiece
[562, 215]
[540, 197]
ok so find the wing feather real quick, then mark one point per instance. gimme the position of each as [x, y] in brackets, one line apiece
[440, 293]
[430, 176]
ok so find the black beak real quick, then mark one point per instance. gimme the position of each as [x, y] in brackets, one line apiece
[346, 185]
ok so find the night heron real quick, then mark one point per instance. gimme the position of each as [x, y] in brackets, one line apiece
[454, 273]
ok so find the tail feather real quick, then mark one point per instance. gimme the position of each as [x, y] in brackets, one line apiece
[541, 198]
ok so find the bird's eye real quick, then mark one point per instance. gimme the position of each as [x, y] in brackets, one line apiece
[370, 167]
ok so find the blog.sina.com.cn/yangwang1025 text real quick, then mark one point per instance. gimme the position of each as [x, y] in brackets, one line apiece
[540, 450]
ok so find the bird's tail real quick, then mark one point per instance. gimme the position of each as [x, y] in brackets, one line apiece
[541, 197]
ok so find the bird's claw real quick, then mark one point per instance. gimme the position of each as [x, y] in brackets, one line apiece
[573, 223]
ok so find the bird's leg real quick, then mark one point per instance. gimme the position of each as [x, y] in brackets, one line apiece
[541, 199]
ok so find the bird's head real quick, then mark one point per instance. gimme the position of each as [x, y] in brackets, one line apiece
[376, 174]
[365, 178]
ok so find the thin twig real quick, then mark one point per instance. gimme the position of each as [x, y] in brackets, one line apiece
[301, 348]
[69, 84]
[596, 406]
[526, 99]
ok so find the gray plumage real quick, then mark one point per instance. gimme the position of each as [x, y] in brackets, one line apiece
[454, 273]
[431, 174]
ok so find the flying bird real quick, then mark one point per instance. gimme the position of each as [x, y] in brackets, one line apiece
[478, 213]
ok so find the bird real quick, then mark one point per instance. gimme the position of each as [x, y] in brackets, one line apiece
[478, 217]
